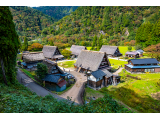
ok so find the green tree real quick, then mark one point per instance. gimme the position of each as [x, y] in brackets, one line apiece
[94, 42]
[100, 42]
[25, 45]
[42, 70]
[66, 53]
[9, 45]
[129, 48]
[51, 43]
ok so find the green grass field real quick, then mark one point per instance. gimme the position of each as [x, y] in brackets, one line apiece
[137, 93]
[124, 49]
[116, 63]
[67, 64]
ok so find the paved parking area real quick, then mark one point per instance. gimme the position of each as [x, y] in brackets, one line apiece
[75, 91]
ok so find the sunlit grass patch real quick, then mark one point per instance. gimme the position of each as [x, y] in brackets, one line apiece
[67, 64]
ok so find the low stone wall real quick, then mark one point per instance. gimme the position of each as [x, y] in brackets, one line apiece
[83, 93]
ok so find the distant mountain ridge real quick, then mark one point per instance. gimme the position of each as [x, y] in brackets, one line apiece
[57, 12]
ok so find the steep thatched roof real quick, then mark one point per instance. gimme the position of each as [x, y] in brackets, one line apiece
[76, 49]
[49, 52]
[108, 49]
[90, 60]
[50, 65]
[32, 56]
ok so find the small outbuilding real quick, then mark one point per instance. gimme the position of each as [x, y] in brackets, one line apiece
[132, 54]
[140, 52]
[55, 82]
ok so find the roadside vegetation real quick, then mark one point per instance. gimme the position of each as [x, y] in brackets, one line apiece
[19, 99]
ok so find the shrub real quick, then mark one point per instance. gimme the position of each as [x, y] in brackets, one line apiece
[41, 70]
[66, 53]
[35, 47]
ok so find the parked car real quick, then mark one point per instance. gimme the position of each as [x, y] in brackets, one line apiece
[70, 76]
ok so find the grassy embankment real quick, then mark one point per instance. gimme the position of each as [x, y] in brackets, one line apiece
[17, 98]
[137, 94]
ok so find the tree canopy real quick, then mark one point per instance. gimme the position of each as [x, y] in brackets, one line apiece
[9, 44]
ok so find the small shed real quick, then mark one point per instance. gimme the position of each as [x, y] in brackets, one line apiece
[140, 52]
[132, 54]
[55, 82]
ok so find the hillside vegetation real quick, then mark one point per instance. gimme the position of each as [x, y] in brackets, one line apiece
[118, 24]
[29, 22]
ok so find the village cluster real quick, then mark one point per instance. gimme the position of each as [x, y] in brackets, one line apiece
[94, 65]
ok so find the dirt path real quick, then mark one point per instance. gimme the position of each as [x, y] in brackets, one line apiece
[34, 87]
[118, 71]
[76, 90]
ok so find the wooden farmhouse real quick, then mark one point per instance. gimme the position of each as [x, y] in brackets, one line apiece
[31, 59]
[97, 67]
[55, 79]
[132, 54]
[76, 49]
[112, 51]
[140, 52]
[52, 52]
[142, 65]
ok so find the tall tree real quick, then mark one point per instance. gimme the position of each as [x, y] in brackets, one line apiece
[9, 44]
[100, 42]
[25, 43]
[94, 42]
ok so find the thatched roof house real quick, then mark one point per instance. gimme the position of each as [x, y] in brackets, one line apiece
[52, 52]
[76, 49]
[52, 67]
[111, 50]
[96, 64]
[32, 57]
[92, 60]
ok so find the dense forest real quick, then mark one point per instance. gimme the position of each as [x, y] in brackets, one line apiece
[56, 12]
[117, 24]
[29, 22]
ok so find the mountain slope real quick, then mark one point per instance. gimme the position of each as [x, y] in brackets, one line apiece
[29, 22]
[57, 12]
[117, 23]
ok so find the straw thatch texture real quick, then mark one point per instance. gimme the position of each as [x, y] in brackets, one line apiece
[76, 49]
[90, 60]
[49, 51]
[109, 49]
[50, 65]
[32, 56]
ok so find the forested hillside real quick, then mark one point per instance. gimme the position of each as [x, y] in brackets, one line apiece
[29, 22]
[117, 24]
[56, 12]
